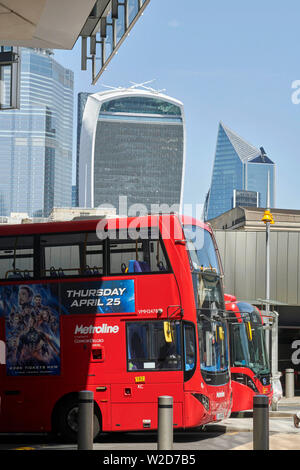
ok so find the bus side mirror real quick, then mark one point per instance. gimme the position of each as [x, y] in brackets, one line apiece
[220, 334]
[249, 330]
[168, 332]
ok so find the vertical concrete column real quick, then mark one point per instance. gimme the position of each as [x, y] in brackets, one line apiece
[289, 383]
[260, 422]
[165, 423]
[85, 420]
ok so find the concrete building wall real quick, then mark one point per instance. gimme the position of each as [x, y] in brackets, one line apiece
[243, 256]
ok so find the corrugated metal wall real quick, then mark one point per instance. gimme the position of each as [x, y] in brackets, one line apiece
[243, 257]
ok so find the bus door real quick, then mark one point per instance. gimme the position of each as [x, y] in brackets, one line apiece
[154, 368]
[102, 354]
[94, 355]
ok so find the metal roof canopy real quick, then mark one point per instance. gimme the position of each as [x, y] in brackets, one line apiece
[57, 24]
[106, 28]
[49, 24]
[46, 24]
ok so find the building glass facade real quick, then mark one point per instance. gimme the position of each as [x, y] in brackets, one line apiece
[237, 166]
[258, 181]
[36, 140]
[245, 198]
[138, 151]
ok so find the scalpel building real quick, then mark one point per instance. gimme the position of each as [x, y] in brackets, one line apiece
[132, 143]
[239, 169]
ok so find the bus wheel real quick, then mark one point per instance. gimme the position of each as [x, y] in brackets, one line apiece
[66, 419]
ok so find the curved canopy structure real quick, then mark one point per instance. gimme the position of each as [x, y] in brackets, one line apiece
[54, 24]
[102, 25]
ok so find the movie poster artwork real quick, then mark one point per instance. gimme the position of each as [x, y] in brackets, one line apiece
[32, 318]
[32, 330]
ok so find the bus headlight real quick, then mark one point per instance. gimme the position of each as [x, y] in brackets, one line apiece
[203, 399]
[245, 380]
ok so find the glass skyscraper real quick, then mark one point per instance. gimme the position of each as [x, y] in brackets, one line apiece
[36, 140]
[238, 165]
[132, 144]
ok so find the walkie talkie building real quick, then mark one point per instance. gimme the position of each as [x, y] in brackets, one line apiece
[132, 143]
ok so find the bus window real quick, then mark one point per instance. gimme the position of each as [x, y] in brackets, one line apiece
[92, 255]
[147, 348]
[208, 291]
[71, 255]
[16, 257]
[212, 345]
[201, 249]
[189, 347]
[127, 257]
[239, 353]
[61, 254]
[137, 256]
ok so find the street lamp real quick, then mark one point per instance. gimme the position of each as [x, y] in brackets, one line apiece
[268, 221]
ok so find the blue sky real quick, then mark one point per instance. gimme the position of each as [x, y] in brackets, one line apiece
[225, 60]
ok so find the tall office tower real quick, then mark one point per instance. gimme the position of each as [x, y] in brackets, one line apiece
[132, 144]
[240, 173]
[36, 140]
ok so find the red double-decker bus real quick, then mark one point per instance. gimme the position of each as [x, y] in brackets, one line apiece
[130, 309]
[250, 368]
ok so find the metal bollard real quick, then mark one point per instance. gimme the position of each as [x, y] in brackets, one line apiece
[289, 383]
[165, 423]
[260, 422]
[85, 420]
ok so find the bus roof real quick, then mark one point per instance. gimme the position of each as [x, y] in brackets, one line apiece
[188, 220]
[90, 224]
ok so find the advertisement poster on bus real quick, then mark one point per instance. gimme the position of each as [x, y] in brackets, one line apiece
[114, 296]
[32, 318]
[32, 329]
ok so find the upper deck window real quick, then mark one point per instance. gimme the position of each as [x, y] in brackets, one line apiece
[133, 253]
[16, 257]
[82, 254]
[71, 254]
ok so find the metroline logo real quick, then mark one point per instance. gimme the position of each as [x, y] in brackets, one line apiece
[104, 328]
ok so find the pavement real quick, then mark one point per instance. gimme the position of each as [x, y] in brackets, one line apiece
[234, 433]
[283, 434]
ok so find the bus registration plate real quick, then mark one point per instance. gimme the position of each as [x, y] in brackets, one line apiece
[140, 379]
